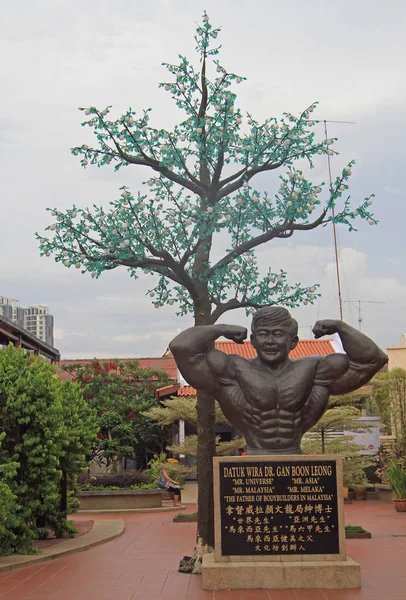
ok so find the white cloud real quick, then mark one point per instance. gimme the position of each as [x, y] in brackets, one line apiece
[391, 190]
[157, 337]
[381, 297]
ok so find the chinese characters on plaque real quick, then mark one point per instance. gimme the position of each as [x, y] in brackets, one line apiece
[278, 507]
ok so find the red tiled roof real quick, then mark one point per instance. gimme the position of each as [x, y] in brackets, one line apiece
[167, 390]
[304, 348]
[163, 363]
[167, 362]
[247, 350]
[187, 390]
[312, 348]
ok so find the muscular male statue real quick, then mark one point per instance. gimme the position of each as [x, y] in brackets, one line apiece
[273, 399]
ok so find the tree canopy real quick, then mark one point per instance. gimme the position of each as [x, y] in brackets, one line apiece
[327, 436]
[388, 399]
[176, 408]
[200, 187]
[120, 392]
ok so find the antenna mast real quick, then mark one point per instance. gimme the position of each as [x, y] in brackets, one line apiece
[340, 300]
[359, 302]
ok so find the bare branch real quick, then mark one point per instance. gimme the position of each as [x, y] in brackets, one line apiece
[246, 176]
[153, 163]
[233, 303]
[222, 308]
[232, 177]
[192, 178]
[282, 231]
[150, 263]
[203, 167]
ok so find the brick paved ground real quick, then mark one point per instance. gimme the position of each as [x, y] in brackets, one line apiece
[142, 564]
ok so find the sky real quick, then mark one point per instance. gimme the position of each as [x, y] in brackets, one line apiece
[58, 55]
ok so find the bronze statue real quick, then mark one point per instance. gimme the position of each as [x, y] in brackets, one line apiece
[273, 399]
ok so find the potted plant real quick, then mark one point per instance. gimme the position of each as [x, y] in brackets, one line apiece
[354, 475]
[396, 475]
[360, 491]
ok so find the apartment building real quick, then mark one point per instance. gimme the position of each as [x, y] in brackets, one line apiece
[35, 318]
[10, 309]
[39, 322]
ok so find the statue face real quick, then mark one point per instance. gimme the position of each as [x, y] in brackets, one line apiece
[273, 343]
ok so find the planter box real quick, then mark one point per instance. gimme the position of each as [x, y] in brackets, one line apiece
[122, 499]
[185, 519]
[383, 492]
[358, 536]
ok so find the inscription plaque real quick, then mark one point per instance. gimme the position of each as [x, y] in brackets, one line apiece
[273, 507]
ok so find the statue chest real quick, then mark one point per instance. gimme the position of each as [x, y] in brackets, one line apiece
[267, 390]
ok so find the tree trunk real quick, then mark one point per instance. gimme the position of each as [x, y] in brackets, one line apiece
[64, 494]
[206, 444]
[206, 448]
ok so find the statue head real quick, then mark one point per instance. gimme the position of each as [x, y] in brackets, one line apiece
[274, 334]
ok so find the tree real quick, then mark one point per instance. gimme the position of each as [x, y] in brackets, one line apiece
[388, 399]
[120, 392]
[46, 433]
[341, 415]
[170, 411]
[81, 427]
[173, 467]
[8, 506]
[201, 190]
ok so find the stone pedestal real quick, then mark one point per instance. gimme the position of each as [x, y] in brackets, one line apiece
[273, 575]
[279, 523]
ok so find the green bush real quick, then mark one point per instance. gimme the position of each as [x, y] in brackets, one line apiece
[8, 507]
[120, 392]
[47, 432]
[175, 470]
[126, 479]
[354, 529]
[396, 474]
[87, 487]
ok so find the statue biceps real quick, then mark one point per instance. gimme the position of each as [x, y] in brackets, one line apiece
[218, 362]
[337, 364]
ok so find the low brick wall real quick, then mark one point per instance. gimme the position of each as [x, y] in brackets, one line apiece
[383, 492]
[123, 499]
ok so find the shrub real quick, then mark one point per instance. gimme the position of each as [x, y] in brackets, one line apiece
[126, 479]
[354, 529]
[397, 478]
[173, 467]
[47, 432]
[120, 391]
[8, 508]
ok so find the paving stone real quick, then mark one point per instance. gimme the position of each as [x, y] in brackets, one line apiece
[142, 564]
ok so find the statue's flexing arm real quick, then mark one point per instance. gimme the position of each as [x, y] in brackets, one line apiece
[341, 373]
[198, 361]
[364, 357]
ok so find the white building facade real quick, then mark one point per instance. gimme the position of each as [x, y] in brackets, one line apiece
[10, 309]
[38, 322]
[34, 318]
